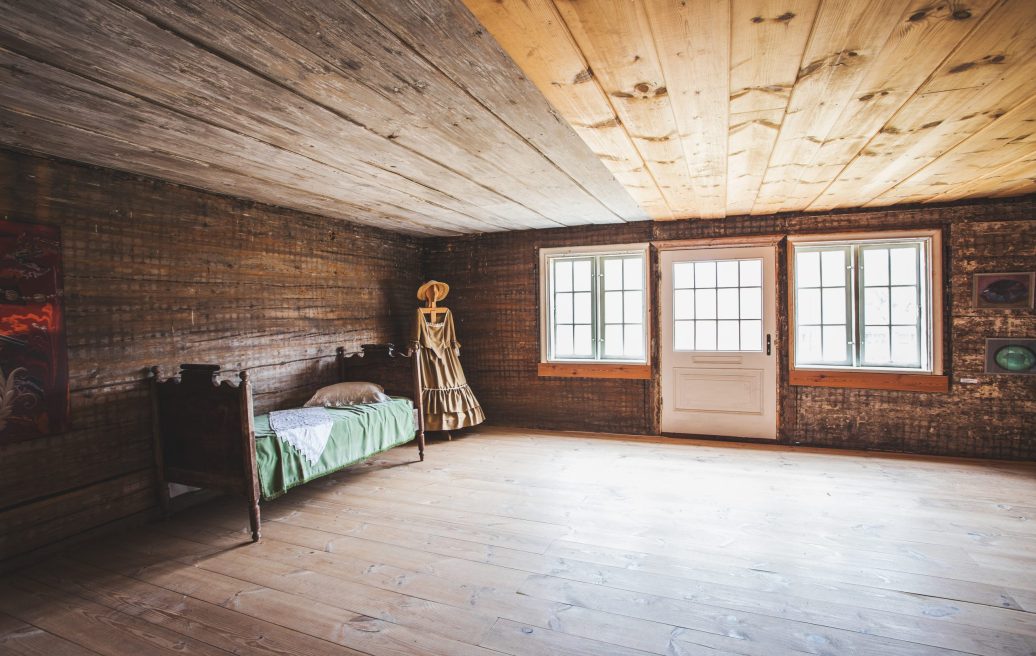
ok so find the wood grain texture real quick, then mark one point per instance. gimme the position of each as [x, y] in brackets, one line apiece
[830, 103]
[534, 542]
[492, 287]
[324, 107]
[156, 272]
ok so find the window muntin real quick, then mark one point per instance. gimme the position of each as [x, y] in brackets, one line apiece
[864, 304]
[717, 305]
[596, 306]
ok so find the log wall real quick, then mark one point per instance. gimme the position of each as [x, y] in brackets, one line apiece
[494, 294]
[161, 274]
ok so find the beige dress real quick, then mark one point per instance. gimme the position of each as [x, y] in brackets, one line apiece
[447, 401]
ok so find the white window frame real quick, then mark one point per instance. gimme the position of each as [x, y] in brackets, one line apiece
[933, 296]
[546, 300]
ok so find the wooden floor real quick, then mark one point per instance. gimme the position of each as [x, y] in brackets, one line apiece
[527, 543]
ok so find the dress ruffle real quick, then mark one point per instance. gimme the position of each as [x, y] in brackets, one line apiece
[450, 409]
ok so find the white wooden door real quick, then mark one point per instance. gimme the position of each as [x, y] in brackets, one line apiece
[718, 353]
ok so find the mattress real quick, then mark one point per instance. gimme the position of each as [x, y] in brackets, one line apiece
[359, 432]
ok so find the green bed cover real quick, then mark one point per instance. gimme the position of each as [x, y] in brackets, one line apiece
[359, 432]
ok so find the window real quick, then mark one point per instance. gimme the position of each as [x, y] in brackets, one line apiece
[865, 304]
[594, 304]
[718, 305]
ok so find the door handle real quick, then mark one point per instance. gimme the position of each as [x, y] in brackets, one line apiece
[769, 344]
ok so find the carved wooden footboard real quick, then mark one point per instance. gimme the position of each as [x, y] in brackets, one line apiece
[204, 435]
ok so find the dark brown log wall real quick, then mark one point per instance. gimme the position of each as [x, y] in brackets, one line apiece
[161, 274]
[494, 293]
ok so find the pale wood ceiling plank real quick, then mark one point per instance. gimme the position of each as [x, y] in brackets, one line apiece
[453, 41]
[537, 39]
[988, 75]
[846, 36]
[767, 41]
[615, 38]
[752, 138]
[692, 40]
[977, 165]
[925, 36]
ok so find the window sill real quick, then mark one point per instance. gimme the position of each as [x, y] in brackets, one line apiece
[869, 380]
[594, 370]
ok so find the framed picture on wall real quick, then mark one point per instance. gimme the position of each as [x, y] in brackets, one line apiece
[1004, 290]
[1010, 356]
[33, 359]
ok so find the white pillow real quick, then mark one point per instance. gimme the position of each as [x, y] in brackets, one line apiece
[346, 394]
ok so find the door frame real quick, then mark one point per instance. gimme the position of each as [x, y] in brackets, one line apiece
[780, 338]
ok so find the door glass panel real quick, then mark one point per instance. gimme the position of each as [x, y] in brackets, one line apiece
[705, 335]
[683, 304]
[728, 338]
[729, 291]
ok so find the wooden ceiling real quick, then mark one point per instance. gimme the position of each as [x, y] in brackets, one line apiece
[710, 108]
[401, 114]
[411, 116]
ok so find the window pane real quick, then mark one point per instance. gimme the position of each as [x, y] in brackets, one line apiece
[633, 278]
[904, 305]
[683, 304]
[875, 266]
[581, 276]
[751, 303]
[582, 342]
[683, 336]
[728, 337]
[751, 335]
[726, 274]
[833, 263]
[727, 303]
[876, 345]
[834, 310]
[563, 308]
[705, 303]
[751, 273]
[581, 307]
[807, 269]
[613, 274]
[613, 341]
[563, 275]
[904, 266]
[634, 341]
[634, 304]
[807, 307]
[613, 307]
[807, 346]
[563, 341]
[705, 335]
[835, 344]
[704, 274]
[904, 346]
[876, 306]
[683, 275]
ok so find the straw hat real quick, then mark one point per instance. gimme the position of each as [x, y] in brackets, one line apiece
[433, 290]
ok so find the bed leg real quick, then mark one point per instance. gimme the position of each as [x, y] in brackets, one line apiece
[420, 444]
[253, 519]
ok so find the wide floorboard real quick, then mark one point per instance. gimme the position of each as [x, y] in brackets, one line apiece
[508, 541]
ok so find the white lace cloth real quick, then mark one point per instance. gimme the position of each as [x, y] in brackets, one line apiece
[306, 429]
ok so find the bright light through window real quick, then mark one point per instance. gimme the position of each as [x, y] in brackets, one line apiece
[596, 306]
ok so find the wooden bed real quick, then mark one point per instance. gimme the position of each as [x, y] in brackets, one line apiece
[204, 430]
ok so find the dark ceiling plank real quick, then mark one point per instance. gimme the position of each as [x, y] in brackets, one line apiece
[336, 57]
[57, 99]
[449, 37]
[100, 40]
